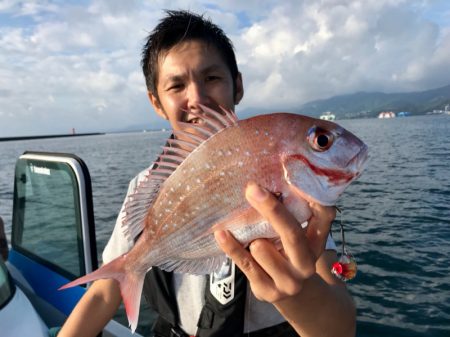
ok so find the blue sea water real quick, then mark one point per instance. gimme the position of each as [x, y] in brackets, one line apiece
[397, 215]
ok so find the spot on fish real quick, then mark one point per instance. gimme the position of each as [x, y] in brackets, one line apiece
[240, 164]
[257, 132]
[229, 153]
[247, 153]
[188, 188]
[198, 181]
[222, 174]
[207, 166]
[220, 153]
[266, 133]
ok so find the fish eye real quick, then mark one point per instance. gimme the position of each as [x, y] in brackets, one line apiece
[320, 139]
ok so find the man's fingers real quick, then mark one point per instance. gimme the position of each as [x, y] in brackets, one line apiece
[286, 278]
[292, 235]
[271, 209]
[241, 256]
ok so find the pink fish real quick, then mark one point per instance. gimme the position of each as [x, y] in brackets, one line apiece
[197, 187]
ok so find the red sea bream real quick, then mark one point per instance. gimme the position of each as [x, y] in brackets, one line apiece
[197, 186]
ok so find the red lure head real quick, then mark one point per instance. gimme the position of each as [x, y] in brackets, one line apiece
[345, 269]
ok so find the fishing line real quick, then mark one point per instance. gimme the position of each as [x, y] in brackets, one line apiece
[345, 269]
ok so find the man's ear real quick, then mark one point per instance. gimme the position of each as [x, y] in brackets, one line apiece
[239, 86]
[156, 105]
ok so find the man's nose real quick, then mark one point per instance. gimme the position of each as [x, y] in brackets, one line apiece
[197, 94]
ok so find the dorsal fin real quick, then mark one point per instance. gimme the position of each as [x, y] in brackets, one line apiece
[176, 150]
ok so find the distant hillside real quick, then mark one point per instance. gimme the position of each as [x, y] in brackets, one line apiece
[358, 105]
[369, 104]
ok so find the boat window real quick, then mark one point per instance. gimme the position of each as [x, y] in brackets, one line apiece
[47, 221]
[6, 286]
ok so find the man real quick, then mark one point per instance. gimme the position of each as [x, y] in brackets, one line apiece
[188, 61]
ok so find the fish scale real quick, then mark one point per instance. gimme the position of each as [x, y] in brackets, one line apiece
[216, 185]
[197, 187]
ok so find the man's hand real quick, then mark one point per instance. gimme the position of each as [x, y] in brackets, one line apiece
[275, 275]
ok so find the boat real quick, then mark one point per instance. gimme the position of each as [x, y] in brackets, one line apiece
[328, 116]
[52, 208]
[403, 114]
[446, 111]
[386, 114]
[17, 315]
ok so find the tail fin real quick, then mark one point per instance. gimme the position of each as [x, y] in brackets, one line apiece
[130, 281]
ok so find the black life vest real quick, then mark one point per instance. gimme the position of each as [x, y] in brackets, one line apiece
[216, 319]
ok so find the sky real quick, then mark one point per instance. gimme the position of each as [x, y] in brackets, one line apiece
[76, 64]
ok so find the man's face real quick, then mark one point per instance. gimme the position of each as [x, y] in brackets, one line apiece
[189, 74]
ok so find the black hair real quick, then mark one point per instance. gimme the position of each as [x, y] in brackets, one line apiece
[178, 26]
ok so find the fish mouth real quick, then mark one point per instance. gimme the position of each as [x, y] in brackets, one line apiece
[357, 163]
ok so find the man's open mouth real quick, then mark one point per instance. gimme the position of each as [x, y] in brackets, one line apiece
[193, 120]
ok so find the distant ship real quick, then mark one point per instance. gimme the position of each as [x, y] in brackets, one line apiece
[328, 116]
[403, 114]
[446, 111]
[386, 114]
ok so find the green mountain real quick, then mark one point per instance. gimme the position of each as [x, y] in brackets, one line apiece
[370, 104]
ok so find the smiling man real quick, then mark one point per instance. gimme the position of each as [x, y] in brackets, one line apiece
[187, 62]
[193, 73]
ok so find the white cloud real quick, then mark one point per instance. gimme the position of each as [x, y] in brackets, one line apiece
[23, 8]
[66, 65]
[320, 49]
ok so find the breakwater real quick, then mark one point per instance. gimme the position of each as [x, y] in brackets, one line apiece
[6, 139]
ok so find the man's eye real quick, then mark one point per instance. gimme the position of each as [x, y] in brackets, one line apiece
[212, 78]
[177, 86]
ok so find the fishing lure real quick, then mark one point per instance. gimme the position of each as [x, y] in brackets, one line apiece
[345, 268]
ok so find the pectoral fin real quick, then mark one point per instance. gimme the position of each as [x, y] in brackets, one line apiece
[238, 219]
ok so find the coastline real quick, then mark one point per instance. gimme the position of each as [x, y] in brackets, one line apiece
[6, 139]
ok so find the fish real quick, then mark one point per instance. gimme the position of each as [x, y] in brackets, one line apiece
[197, 185]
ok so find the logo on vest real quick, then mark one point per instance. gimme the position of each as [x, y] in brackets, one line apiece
[221, 283]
